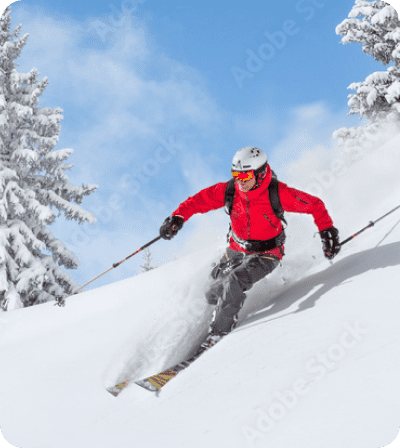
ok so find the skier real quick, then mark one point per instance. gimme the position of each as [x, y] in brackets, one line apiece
[256, 237]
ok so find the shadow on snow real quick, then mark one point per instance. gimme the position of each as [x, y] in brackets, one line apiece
[341, 272]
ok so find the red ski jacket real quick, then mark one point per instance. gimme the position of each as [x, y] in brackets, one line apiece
[252, 217]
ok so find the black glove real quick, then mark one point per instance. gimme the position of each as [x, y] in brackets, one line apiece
[171, 226]
[330, 242]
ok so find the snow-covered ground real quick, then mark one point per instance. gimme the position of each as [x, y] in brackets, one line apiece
[314, 362]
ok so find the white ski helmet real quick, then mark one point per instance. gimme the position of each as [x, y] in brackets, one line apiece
[250, 158]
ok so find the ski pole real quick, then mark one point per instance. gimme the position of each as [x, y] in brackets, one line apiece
[371, 224]
[61, 301]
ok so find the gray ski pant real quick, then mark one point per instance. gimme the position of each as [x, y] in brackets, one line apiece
[236, 273]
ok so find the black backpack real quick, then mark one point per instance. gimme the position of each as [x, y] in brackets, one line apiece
[273, 190]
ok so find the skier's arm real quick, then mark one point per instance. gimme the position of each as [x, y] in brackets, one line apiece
[297, 201]
[211, 198]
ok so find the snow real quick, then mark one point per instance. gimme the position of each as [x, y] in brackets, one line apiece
[59, 155]
[385, 15]
[378, 78]
[314, 361]
[393, 92]
[371, 97]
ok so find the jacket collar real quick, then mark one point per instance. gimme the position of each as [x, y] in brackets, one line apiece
[252, 194]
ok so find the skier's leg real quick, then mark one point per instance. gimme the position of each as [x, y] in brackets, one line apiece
[214, 291]
[230, 260]
[241, 279]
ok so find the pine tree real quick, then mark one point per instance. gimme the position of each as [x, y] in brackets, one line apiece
[376, 26]
[147, 261]
[33, 185]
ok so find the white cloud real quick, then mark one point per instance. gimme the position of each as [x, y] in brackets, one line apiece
[311, 127]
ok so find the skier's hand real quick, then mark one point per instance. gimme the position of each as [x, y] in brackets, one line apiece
[330, 242]
[171, 227]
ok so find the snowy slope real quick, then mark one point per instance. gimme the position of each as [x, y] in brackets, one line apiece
[314, 361]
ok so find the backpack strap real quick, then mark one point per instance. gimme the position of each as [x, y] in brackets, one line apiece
[229, 196]
[274, 198]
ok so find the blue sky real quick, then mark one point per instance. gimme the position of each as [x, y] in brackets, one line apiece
[154, 112]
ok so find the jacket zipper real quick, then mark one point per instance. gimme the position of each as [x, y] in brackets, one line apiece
[270, 222]
[248, 217]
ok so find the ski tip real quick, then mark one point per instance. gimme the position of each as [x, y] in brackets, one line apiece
[117, 389]
[113, 392]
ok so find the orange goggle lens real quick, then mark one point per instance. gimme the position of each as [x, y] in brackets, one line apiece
[243, 176]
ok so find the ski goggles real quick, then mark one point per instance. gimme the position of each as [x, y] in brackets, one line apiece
[243, 176]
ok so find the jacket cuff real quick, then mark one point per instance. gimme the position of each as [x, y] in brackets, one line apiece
[180, 216]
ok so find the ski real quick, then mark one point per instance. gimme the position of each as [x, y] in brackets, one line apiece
[154, 383]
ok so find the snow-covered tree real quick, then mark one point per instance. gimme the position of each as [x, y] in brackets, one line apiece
[147, 261]
[33, 185]
[376, 26]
